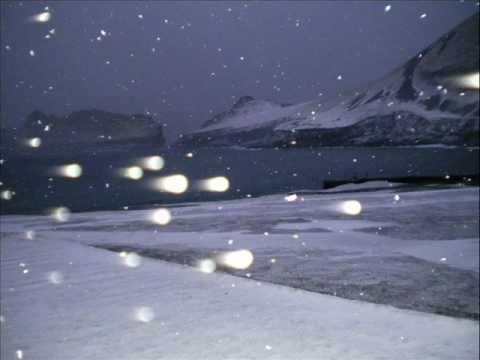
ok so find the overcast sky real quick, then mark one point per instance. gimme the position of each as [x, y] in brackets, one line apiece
[185, 61]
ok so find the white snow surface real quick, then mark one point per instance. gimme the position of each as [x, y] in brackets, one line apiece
[99, 308]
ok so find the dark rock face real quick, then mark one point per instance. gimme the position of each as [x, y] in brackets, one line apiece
[242, 101]
[407, 92]
[92, 127]
[389, 130]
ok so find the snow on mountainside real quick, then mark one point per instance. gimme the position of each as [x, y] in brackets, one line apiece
[89, 127]
[250, 113]
[425, 101]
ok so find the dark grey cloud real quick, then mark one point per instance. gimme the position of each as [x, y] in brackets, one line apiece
[184, 61]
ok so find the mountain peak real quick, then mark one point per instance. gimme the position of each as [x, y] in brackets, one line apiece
[242, 101]
[36, 115]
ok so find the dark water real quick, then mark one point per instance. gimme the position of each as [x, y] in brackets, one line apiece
[250, 172]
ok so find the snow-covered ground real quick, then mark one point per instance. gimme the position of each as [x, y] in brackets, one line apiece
[377, 280]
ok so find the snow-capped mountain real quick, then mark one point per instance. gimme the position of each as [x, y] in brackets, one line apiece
[89, 127]
[432, 99]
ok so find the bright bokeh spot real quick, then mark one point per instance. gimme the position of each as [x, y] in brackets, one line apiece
[71, 171]
[34, 142]
[215, 184]
[42, 17]
[6, 194]
[132, 172]
[30, 234]
[132, 260]
[351, 207]
[175, 184]
[238, 259]
[468, 81]
[55, 277]
[144, 314]
[153, 163]
[60, 214]
[161, 216]
[290, 198]
[207, 266]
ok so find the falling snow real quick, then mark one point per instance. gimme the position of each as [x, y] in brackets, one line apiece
[259, 213]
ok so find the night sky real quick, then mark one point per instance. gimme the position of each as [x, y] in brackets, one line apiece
[185, 61]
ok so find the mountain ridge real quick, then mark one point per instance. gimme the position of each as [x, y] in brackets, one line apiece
[424, 101]
[90, 127]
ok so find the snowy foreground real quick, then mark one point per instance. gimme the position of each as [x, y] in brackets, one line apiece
[377, 281]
